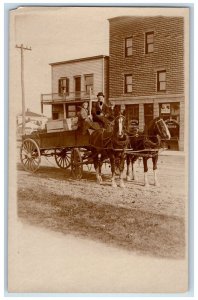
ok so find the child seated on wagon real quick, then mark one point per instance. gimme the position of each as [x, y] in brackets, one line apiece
[85, 120]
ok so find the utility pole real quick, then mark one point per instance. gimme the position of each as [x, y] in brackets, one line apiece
[22, 84]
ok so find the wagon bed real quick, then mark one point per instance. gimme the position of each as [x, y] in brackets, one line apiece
[64, 139]
[70, 149]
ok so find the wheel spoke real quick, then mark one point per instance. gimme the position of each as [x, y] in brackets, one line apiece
[26, 162]
[63, 162]
[32, 165]
[28, 147]
[25, 151]
[30, 155]
[67, 159]
[60, 161]
[62, 158]
[35, 162]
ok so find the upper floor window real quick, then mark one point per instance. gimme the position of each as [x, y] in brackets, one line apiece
[88, 83]
[128, 46]
[161, 81]
[128, 83]
[149, 42]
[63, 86]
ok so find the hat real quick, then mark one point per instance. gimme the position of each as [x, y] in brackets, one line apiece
[100, 94]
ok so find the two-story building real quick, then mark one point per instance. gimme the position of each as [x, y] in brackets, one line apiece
[146, 70]
[74, 81]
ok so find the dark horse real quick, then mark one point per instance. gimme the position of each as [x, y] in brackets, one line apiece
[147, 145]
[110, 144]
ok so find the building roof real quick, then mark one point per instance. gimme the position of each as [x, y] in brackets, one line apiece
[29, 125]
[78, 60]
[29, 113]
[141, 17]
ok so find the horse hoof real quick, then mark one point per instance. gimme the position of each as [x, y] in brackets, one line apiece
[99, 181]
[157, 184]
[113, 184]
[122, 185]
[128, 178]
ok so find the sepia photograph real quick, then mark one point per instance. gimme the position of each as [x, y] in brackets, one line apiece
[98, 150]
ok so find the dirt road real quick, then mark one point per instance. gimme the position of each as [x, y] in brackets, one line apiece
[148, 221]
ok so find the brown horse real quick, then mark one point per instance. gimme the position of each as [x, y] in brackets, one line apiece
[110, 144]
[147, 144]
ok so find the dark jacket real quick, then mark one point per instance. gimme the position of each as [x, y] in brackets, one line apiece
[98, 111]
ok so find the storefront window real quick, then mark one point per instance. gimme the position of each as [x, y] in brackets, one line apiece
[57, 111]
[132, 115]
[170, 112]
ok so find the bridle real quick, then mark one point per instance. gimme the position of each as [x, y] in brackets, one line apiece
[161, 128]
[119, 118]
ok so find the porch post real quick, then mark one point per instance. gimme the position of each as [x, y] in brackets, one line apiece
[64, 110]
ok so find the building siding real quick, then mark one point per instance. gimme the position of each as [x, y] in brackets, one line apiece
[106, 78]
[168, 54]
[80, 68]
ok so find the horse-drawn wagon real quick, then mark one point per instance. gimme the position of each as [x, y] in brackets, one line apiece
[72, 149]
[69, 148]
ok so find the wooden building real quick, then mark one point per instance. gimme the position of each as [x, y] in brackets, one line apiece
[146, 71]
[75, 81]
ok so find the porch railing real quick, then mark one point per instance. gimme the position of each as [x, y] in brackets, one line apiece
[65, 97]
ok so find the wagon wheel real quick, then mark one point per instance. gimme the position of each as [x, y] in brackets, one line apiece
[30, 155]
[76, 163]
[62, 158]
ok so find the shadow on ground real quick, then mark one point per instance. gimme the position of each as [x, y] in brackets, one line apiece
[62, 174]
[135, 230]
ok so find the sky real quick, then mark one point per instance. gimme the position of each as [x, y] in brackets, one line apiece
[58, 34]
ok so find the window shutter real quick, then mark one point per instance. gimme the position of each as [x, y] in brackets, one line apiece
[67, 85]
[59, 86]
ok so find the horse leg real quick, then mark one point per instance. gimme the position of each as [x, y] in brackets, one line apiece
[96, 166]
[155, 159]
[139, 161]
[100, 169]
[133, 170]
[128, 175]
[122, 185]
[112, 161]
[146, 183]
